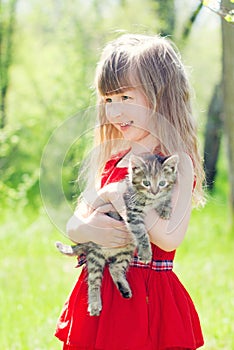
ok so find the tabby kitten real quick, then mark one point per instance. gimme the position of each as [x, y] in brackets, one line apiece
[149, 185]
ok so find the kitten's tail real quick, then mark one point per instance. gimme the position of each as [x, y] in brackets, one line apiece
[69, 250]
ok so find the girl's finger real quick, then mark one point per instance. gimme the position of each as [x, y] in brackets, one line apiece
[105, 208]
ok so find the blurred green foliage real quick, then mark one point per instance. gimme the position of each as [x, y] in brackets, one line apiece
[56, 47]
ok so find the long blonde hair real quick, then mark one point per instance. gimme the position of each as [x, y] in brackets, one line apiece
[152, 64]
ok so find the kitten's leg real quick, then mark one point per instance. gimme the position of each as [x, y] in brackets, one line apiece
[136, 225]
[114, 215]
[164, 210]
[118, 266]
[144, 247]
[96, 263]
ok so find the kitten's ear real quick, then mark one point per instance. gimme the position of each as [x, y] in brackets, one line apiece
[171, 164]
[134, 166]
[135, 161]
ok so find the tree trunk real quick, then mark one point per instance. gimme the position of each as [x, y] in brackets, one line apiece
[7, 22]
[214, 124]
[166, 14]
[228, 93]
[213, 134]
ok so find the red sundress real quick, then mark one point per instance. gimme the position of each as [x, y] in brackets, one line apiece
[159, 316]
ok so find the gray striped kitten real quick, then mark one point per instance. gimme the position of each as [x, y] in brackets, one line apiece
[149, 185]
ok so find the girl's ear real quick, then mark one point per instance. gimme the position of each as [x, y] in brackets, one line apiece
[171, 164]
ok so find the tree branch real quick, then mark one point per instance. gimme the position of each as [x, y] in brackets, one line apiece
[188, 25]
[225, 13]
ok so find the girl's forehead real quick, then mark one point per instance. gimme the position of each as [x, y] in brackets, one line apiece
[115, 77]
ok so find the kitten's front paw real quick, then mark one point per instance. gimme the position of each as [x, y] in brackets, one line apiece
[95, 308]
[145, 255]
[165, 213]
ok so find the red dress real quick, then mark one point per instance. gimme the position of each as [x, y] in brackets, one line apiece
[159, 316]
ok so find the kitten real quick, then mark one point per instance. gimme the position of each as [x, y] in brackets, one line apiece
[149, 185]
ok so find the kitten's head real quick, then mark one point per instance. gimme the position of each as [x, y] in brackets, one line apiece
[152, 174]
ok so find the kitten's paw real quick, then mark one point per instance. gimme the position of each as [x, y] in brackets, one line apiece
[127, 294]
[124, 290]
[95, 308]
[145, 256]
[165, 213]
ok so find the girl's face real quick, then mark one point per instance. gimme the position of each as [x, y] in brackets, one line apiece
[129, 113]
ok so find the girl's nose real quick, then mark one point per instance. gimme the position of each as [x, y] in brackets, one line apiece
[113, 110]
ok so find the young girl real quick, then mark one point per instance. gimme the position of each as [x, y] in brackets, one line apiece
[144, 106]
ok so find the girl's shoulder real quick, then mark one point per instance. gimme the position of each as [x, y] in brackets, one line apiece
[120, 154]
[111, 166]
[115, 158]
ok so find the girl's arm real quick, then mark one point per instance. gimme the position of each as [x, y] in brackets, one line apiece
[90, 223]
[168, 234]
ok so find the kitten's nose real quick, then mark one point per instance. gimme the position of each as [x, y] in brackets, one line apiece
[154, 191]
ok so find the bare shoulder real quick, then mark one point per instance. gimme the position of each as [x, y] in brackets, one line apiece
[185, 169]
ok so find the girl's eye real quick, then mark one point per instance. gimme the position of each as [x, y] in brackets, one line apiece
[146, 183]
[125, 97]
[162, 183]
[108, 100]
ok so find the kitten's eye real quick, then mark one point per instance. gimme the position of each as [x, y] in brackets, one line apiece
[146, 183]
[162, 183]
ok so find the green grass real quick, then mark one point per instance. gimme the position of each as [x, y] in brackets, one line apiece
[35, 279]
[204, 263]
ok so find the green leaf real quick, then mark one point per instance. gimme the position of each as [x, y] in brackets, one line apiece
[232, 1]
[206, 2]
[230, 17]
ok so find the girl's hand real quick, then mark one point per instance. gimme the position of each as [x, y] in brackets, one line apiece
[98, 227]
[109, 194]
[112, 194]
[105, 230]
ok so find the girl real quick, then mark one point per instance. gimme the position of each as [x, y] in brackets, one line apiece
[144, 105]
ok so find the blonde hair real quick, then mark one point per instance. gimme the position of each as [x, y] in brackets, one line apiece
[152, 64]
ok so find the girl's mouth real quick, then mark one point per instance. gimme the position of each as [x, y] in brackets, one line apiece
[130, 122]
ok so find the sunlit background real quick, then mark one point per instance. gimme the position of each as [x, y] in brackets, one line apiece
[54, 46]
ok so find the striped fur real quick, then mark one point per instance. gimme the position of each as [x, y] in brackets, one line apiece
[149, 185]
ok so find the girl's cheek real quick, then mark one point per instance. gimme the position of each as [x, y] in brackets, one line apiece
[108, 112]
[114, 110]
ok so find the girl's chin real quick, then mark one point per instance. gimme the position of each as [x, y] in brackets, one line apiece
[144, 141]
